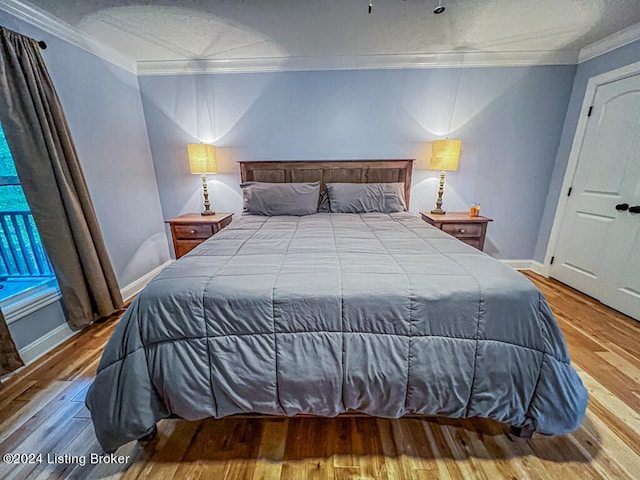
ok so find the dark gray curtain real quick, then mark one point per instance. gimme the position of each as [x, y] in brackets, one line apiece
[9, 358]
[50, 173]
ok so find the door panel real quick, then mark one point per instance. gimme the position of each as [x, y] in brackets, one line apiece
[597, 250]
[624, 292]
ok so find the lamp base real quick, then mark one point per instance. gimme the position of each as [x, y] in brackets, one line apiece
[438, 210]
[205, 192]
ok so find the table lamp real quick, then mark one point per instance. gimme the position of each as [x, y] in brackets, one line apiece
[202, 160]
[444, 156]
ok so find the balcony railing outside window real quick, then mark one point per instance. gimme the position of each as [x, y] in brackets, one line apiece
[21, 252]
[24, 265]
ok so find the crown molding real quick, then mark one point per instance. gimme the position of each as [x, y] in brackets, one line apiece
[39, 18]
[607, 44]
[359, 62]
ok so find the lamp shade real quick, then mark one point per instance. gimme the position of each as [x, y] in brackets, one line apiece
[202, 158]
[445, 154]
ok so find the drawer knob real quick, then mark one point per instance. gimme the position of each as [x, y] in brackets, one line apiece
[192, 231]
[462, 230]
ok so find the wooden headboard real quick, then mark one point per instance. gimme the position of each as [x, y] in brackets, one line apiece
[330, 171]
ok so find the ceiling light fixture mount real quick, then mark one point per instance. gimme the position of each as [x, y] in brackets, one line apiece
[438, 9]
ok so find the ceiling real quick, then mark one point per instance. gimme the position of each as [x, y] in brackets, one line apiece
[149, 31]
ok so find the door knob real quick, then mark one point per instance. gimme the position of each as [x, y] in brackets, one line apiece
[634, 209]
[622, 207]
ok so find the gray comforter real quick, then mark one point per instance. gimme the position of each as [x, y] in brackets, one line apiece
[328, 313]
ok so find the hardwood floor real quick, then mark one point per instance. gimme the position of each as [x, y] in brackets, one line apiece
[42, 412]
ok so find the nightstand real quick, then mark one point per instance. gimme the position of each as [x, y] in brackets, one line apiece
[470, 230]
[191, 229]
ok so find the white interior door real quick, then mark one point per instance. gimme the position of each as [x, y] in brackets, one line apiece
[598, 246]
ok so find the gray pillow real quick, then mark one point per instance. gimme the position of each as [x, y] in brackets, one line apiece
[366, 197]
[262, 198]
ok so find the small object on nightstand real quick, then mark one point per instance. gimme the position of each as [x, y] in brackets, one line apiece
[470, 230]
[191, 229]
[474, 209]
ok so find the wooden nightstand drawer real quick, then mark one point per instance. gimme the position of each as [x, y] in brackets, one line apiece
[185, 246]
[474, 242]
[463, 230]
[192, 231]
[470, 230]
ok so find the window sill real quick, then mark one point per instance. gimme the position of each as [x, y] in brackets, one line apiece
[29, 301]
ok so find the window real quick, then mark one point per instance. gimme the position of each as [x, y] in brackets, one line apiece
[24, 266]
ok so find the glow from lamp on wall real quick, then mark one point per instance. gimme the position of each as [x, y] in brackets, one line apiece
[444, 157]
[202, 160]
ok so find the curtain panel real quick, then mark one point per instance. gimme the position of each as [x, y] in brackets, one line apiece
[54, 185]
[9, 358]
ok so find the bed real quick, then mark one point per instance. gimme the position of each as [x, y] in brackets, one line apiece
[331, 313]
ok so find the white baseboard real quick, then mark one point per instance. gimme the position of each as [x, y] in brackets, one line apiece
[532, 265]
[46, 343]
[136, 287]
[30, 303]
[539, 268]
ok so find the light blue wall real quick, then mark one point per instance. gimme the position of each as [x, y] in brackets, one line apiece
[604, 63]
[509, 120]
[103, 108]
[516, 140]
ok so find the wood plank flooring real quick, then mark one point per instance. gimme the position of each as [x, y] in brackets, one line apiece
[42, 412]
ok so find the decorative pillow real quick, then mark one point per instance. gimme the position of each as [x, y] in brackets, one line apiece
[366, 197]
[324, 203]
[263, 198]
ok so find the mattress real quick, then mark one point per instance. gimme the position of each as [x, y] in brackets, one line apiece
[331, 313]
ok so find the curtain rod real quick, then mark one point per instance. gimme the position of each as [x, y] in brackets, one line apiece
[41, 43]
